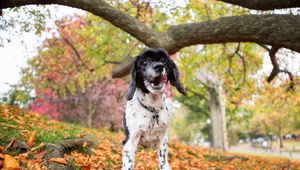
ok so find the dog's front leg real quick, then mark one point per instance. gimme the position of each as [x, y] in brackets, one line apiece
[129, 149]
[163, 154]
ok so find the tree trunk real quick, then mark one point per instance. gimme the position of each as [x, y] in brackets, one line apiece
[90, 120]
[91, 111]
[217, 108]
[280, 137]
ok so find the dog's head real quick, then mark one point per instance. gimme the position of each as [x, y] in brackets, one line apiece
[152, 70]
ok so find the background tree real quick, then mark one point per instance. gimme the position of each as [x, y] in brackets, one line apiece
[217, 106]
[275, 113]
[68, 74]
[228, 62]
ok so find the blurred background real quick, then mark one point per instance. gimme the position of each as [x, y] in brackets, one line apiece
[58, 61]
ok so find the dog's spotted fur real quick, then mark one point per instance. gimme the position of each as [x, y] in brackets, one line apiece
[146, 117]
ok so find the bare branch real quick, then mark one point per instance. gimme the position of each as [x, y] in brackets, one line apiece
[265, 4]
[73, 48]
[276, 70]
[112, 62]
[244, 66]
[274, 62]
[82, 63]
[199, 95]
[230, 57]
[291, 77]
[265, 47]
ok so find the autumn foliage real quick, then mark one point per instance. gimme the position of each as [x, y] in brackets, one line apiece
[69, 78]
[102, 104]
[106, 153]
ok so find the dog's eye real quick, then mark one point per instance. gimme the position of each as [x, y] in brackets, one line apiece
[144, 63]
[164, 62]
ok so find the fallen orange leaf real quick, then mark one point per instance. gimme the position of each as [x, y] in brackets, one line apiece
[31, 139]
[23, 157]
[10, 162]
[58, 160]
[40, 154]
[2, 148]
[86, 167]
[20, 122]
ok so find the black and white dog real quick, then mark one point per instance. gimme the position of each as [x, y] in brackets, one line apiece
[146, 117]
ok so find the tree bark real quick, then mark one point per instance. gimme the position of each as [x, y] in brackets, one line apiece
[90, 110]
[275, 30]
[216, 103]
[217, 109]
[280, 137]
[265, 4]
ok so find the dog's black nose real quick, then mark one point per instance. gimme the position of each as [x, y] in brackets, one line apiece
[158, 67]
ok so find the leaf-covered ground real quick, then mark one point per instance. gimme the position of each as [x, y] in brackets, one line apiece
[23, 136]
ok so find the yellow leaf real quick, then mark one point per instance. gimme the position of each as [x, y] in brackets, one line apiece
[31, 139]
[85, 144]
[58, 160]
[10, 162]
[37, 147]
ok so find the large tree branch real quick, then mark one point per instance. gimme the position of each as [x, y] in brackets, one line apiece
[123, 69]
[102, 9]
[265, 4]
[274, 30]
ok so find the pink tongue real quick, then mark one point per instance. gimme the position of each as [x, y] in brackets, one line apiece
[163, 78]
[160, 79]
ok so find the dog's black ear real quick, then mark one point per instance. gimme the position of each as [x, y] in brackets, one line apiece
[132, 86]
[174, 78]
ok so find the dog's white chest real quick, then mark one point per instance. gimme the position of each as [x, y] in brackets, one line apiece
[149, 126]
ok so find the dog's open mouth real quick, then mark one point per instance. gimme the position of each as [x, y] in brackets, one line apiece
[159, 81]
